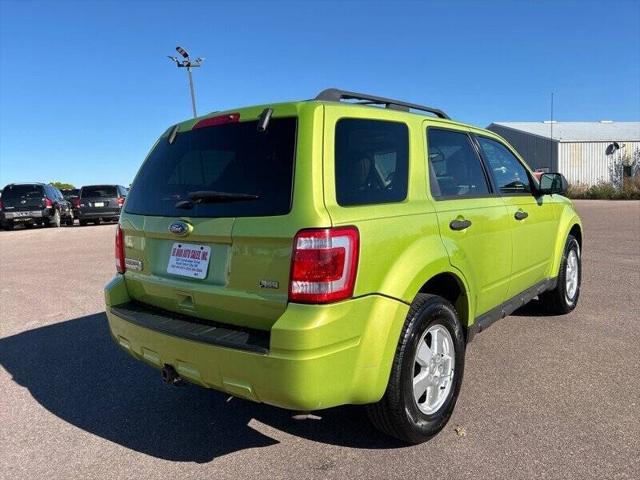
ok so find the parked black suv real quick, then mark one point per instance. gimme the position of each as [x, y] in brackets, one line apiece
[72, 195]
[100, 202]
[32, 204]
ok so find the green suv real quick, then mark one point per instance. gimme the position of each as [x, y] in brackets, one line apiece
[340, 250]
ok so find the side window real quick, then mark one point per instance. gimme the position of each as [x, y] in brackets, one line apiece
[371, 161]
[509, 174]
[454, 167]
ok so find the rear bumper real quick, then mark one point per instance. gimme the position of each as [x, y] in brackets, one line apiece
[22, 216]
[106, 213]
[317, 356]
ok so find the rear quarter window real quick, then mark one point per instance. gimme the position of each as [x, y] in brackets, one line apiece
[371, 161]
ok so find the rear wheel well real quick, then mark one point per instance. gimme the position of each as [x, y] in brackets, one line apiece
[448, 286]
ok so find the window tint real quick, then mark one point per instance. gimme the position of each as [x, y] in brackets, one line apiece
[96, 191]
[228, 158]
[22, 191]
[371, 161]
[70, 193]
[454, 167]
[509, 174]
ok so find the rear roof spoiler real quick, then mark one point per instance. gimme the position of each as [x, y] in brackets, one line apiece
[336, 95]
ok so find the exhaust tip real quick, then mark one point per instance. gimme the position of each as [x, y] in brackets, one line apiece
[170, 376]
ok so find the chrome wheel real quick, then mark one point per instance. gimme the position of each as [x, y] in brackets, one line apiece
[433, 369]
[572, 274]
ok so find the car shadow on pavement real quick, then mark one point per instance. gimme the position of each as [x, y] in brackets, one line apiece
[534, 308]
[75, 371]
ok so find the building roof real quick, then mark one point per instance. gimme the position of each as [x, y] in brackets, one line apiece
[604, 131]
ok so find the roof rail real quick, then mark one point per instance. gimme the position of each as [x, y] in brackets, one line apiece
[336, 95]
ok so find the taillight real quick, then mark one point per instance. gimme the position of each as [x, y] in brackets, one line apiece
[324, 265]
[120, 267]
[120, 201]
[219, 120]
[75, 202]
[47, 203]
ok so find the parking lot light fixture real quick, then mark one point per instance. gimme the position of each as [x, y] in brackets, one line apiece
[188, 64]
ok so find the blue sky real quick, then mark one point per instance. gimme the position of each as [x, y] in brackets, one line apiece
[86, 88]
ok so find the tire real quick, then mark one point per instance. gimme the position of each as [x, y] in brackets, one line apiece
[83, 223]
[55, 220]
[8, 226]
[69, 220]
[564, 297]
[398, 413]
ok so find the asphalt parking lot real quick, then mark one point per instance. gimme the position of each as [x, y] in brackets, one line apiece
[543, 397]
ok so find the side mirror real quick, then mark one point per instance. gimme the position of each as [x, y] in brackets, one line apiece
[551, 183]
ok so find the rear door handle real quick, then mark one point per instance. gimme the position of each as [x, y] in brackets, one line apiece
[521, 215]
[459, 224]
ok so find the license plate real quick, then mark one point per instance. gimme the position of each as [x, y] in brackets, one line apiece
[98, 204]
[189, 260]
[23, 214]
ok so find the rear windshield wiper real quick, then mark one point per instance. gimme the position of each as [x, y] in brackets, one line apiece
[210, 196]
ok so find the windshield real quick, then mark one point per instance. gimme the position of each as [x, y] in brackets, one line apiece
[254, 169]
[22, 191]
[99, 191]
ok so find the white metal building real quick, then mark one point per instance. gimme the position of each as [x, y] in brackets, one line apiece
[582, 151]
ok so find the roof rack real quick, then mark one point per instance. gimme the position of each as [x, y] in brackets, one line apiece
[336, 95]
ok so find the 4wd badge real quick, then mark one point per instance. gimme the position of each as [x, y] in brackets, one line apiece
[269, 284]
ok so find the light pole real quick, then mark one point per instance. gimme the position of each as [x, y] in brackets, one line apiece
[188, 64]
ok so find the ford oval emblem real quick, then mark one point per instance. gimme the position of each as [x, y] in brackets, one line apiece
[179, 228]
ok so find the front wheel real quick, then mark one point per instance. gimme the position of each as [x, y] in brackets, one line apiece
[564, 297]
[426, 374]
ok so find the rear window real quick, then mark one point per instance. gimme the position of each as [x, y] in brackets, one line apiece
[99, 191]
[22, 191]
[230, 159]
[68, 193]
[371, 161]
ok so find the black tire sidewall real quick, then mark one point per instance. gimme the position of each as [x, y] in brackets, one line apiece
[440, 312]
[572, 244]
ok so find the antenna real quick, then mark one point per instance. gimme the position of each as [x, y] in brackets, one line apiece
[551, 122]
[551, 135]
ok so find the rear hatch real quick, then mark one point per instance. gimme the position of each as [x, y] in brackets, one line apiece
[224, 190]
[99, 199]
[23, 197]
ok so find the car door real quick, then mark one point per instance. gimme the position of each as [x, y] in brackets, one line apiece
[532, 218]
[473, 219]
